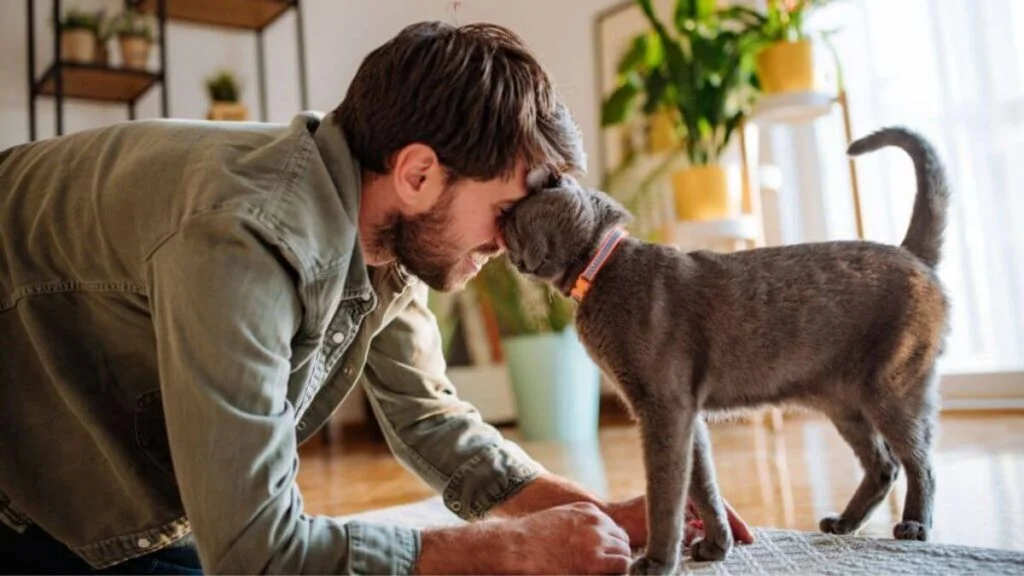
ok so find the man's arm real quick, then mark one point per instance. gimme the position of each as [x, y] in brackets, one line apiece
[429, 428]
[225, 310]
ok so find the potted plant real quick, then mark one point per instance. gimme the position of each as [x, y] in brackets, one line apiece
[702, 78]
[555, 384]
[224, 91]
[135, 37]
[78, 36]
[786, 62]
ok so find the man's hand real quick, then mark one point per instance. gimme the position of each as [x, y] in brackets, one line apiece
[570, 539]
[632, 516]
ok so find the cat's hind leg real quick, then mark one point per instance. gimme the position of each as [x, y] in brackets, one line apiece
[908, 424]
[880, 471]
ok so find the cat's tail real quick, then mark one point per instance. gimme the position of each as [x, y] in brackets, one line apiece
[928, 221]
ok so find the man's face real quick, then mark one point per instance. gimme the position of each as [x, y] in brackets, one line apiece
[448, 244]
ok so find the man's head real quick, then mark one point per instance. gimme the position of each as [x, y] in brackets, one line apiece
[445, 122]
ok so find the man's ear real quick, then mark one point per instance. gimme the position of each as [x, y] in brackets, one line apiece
[418, 178]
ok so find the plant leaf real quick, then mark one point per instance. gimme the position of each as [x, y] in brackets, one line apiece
[619, 106]
[635, 56]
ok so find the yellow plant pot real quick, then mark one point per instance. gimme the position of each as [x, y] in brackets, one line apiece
[661, 135]
[78, 46]
[135, 52]
[786, 67]
[701, 193]
[228, 111]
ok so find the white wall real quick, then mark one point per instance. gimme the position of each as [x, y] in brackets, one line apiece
[338, 35]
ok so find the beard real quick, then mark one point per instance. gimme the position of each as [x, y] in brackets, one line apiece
[425, 244]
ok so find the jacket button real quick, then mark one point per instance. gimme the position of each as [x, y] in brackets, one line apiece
[347, 371]
[143, 543]
[338, 337]
[301, 425]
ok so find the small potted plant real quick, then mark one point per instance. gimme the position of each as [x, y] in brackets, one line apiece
[555, 384]
[78, 36]
[135, 38]
[786, 63]
[699, 80]
[224, 91]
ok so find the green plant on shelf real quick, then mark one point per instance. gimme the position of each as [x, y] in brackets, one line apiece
[132, 24]
[783, 21]
[223, 86]
[76, 19]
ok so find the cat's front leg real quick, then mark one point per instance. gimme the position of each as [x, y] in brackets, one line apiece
[707, 500]
[666, 431]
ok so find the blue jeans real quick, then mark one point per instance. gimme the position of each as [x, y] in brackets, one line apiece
[36, 552]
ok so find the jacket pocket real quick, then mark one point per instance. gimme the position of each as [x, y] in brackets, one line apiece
[151, 431]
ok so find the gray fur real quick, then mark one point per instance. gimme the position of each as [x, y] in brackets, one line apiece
[851, 329]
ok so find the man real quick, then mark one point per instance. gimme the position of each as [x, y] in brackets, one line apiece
[182, 303]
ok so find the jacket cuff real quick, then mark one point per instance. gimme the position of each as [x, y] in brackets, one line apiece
[382, 549]
[489, 478]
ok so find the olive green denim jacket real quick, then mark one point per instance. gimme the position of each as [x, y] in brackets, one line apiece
[183, 303]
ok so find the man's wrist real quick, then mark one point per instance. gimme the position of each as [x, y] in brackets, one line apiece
[543, 492]
[465, 549]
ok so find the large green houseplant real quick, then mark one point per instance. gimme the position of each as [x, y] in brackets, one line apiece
[555, 384]
[700, 75]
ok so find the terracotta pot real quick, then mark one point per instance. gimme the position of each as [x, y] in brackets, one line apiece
[227, 111]
[701, 193]
[135, 52]
[786, 67]
[78, 45]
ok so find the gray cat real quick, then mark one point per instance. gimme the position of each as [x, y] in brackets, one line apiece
[851, 329]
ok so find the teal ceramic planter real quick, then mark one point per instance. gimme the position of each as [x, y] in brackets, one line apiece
[557, 387]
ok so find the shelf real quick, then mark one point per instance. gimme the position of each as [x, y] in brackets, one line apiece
[242, 14]
[96, 82]
[792, 108]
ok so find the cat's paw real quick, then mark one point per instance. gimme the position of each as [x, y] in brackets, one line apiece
[836, 524]
[708, 551]
[911, 530]
[648, 565]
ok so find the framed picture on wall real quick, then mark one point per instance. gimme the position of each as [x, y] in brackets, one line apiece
[615, 29]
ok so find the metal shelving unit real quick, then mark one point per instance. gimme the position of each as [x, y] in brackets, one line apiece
[63, 80]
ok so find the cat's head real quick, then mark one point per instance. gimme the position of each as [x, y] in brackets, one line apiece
[557, 227]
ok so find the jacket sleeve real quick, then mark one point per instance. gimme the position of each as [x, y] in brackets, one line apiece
[438, 436]
[225, 309]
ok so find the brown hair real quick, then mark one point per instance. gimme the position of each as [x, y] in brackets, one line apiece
[473, 93]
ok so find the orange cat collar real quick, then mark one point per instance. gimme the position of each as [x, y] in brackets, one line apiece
[604, 251]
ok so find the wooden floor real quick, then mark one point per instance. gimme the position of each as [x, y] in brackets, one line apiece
[790, 479]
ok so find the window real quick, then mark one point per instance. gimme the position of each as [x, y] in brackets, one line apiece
[953, 71]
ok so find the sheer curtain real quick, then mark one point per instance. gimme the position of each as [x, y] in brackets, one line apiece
[953, 71]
